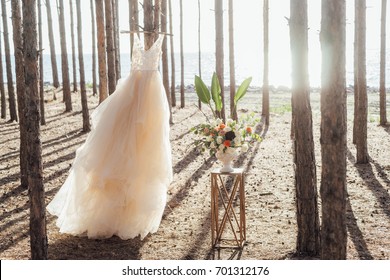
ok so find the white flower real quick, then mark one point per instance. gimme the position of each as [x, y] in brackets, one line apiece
[221, 147]
[227, 129]
[244, 147]
[209, 138]
[219, 139]
[229, 122]
[212, 145]
[219, 121]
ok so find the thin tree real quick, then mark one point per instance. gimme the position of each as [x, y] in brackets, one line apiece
[165, 68]
[133, 22]
[41, 89]
[38, 237]
[199, 53]
[2, 90]
[101, 42]
[110, 47]
[265, 103]
[94, 83]
[156, 18]
[361, 86]
[20, 90]
[115, 21]
[233, 111]
[10, 83]
[308, 238]
[333, 131]
[73, 46]
[382, 75]
[182, 99]
[84, 101]
[148, 23]
[53, 56]
[219, 50]
[64, 60]
[173, 82]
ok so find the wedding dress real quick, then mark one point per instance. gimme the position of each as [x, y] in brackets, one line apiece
[118, 181]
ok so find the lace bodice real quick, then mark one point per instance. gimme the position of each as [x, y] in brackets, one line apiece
[146, 59]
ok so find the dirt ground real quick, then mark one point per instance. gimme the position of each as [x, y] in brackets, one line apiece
[184, 232]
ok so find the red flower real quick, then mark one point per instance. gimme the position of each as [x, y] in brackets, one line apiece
[249, 130]
[226, 143]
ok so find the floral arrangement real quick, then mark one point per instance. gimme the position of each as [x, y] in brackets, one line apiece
[217, 136]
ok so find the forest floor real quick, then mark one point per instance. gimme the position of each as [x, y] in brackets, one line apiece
[184, 232]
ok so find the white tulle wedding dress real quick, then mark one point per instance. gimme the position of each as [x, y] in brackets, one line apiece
[118, 181]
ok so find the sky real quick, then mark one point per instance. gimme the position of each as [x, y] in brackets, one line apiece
[247, 30]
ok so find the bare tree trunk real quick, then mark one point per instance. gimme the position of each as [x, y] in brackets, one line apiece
[199, 52]
[333, 131]
[2, 90]
[84, 101]
[148, 23]
[110, 47]
[165, 56]
[361, 120]
[10, 83]
[38, 237]
[382, 83]
[173, 82]
[53, 56]
[219, 51]
[182, 97]
[265, 103]
[156, 18]
[308, 239]
[73, 46]
[64, 60]
[20, 90]
[94, 82]
[233, 111]
[41, 89]
[115, 20]
[355, 75]
[134, 22]
[101, 41]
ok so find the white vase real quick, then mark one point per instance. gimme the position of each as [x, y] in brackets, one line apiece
[227, 161]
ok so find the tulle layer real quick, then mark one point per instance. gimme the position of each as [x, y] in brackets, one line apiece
[118, 181]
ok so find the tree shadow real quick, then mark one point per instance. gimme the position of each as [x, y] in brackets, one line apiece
[367, 174]
[183, 163]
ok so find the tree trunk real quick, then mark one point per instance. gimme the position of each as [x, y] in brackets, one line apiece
[134, 22]
[199, 53]
[308, 239]
[173, 74]
[361, 118]
[165, 56]
[38, 237]
[101, 41]
[84, 101]
[73, 46]
[53, 56]
[41, 89]
[2, 90]
[219, 51]
[64, 60]
[148, 24]
[115, 20]
[10, 83]
[265, 103]
[333, 131]
[382, 83]
[94, 82]
[20, 90]
[156, 18]
[110, 47]
[182, 97]
[233, 111]
[355, 75]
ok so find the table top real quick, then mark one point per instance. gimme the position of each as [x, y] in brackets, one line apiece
[236, 171]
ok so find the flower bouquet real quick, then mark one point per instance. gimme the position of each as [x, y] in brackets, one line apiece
[225, 140]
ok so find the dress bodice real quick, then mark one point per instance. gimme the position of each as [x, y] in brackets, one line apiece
[146, 59]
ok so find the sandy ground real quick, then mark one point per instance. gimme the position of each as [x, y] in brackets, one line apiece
[184, 232]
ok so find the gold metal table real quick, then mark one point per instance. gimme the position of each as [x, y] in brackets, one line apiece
[228, 224]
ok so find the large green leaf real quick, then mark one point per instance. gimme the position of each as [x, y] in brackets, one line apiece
[242, 90]
[202, 91]
[216, 92]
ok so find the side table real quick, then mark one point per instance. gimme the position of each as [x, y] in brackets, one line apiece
[228, 224]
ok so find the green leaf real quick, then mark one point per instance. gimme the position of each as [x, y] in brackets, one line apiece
[216, 92]
[242, 90]
[202, 91]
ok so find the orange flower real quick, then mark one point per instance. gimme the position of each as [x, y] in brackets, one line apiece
[249, 130]
[222, 126]
[226, 143]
